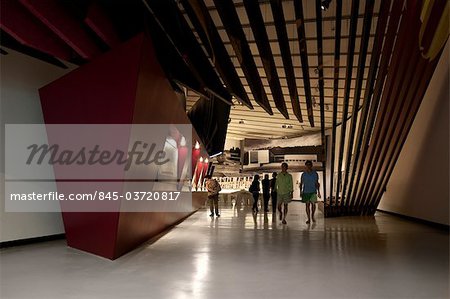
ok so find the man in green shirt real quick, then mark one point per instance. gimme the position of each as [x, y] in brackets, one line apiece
[285, 190]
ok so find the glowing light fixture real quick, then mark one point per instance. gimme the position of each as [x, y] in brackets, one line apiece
[215, 155]
[325, 4]
[183, 141]
[206, 160]
[201, 159]
[197, 145]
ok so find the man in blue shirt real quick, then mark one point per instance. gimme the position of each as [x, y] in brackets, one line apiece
[309, 190]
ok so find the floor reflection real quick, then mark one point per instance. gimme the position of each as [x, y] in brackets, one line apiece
[241, 216]
[243, 255]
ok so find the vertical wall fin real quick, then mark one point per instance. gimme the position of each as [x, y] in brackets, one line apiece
[337, 56]
[321, 91]
[368, 92]
[357, 94]
[348, 80]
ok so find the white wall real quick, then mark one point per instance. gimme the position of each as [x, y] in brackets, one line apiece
[419, 185]
[21, 77]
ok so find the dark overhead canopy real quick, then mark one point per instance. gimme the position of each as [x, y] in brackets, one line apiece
[268, 59]
[285, 59]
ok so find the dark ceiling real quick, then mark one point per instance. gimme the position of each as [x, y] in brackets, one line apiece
[272, 60]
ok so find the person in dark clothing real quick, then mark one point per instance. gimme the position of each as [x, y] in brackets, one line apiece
[273, 192]
[213, 188]
[254, 189]
[266, 192]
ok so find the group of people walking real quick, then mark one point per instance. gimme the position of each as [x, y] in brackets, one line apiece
[280, 189]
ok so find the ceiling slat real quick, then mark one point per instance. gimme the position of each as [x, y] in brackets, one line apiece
[265, 53]
[204, 25]
[280, 25]
[300, 23]
[183, 45]
[230, 19]
[270, 27]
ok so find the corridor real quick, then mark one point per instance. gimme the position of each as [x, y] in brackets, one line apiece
[242, 256]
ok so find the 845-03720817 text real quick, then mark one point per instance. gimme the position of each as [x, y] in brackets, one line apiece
[98, 195]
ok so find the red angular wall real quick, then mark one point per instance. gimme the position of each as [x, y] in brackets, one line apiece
[123, 86]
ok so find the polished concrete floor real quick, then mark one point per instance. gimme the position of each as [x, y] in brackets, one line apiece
[242, 256]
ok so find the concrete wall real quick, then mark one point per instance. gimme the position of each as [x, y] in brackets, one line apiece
[21, 76]
[419, 185]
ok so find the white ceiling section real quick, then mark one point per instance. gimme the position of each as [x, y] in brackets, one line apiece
[257, 123]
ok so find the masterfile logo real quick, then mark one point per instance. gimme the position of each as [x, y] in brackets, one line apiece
[98, 168]
[141, 153]
[98, 152]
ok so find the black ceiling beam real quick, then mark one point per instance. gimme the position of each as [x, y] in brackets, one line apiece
[230, 19]
[337, 57]
[300, 22]
[167, 15]
[368, 93]
[8, 41]
[368, 10]
[204, 25]
[321, 89]
[283, 41]
[171, 60]
[128, 17]
[265, 52]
